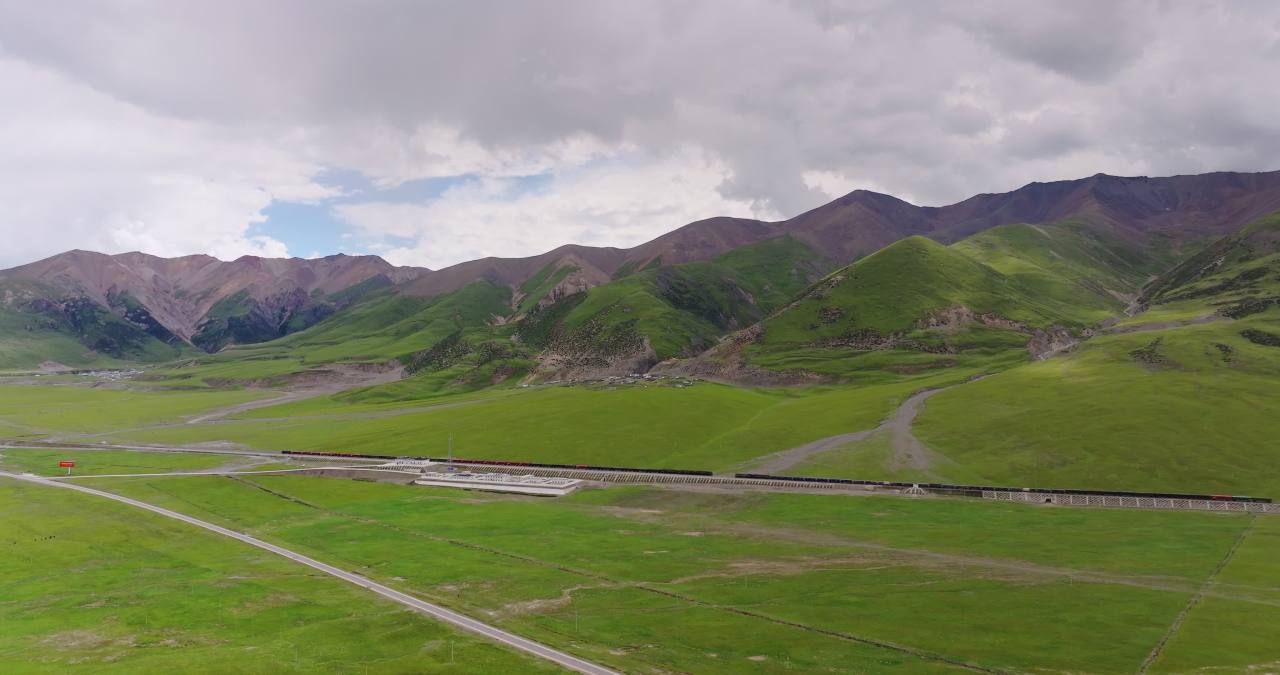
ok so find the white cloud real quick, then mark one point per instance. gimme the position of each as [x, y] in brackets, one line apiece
[392, 156]
[82, 170]
[170, 125]
[622, 203]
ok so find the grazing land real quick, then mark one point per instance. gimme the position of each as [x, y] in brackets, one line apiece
[642, 579]
[1081, 352]
[33, 410]
[97, 587]
[44, 462]
[701, 426]
[1158, 410]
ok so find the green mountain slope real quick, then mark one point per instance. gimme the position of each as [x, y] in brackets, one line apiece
[381, 327]
[1237, 276]
[990, 301]
[1190, 408]
[913, 306]
[39, 323]
[1179, 397]
[1070, 263]
[679, 310]
[483, 336]
[242, 319]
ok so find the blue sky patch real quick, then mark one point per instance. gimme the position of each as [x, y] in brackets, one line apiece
[311, 229]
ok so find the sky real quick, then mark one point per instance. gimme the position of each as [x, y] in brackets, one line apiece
[431, 133]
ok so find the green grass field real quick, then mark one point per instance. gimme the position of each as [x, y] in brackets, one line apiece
[1180, 397]
[703, 426]
[29, 410]
[1224, 634]
[645, 579]
[917, 305]
[44, 462]
[1197, 412]
[91, 586]
[681, 309]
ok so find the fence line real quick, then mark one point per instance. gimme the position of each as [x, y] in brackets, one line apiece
[1119, 501]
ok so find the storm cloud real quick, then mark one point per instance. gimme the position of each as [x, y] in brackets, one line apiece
[171, 126]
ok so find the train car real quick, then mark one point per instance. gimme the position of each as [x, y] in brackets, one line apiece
[977, 490]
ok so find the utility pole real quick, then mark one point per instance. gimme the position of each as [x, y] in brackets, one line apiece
[451, 448]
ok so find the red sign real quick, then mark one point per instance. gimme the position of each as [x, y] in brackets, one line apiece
[66, 465]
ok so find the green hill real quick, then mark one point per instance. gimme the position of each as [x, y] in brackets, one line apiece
[1179, 397]
[379, 328]
[485, 334]
[1236, 277]
[914, 306]
[1070, 263]
[677, 310]
[39, 324]
[989, 301]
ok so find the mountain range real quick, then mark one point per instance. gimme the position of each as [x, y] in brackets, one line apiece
[864, 274]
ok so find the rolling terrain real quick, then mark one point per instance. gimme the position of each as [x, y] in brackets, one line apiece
[1111, 334]
[703, 280]
[635, 579]
[1183, 388]
[1130, 322]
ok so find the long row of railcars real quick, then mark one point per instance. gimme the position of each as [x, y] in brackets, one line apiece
[583, 467]
[977, 490]
[510, 463]
[947, 488]
[349, 455]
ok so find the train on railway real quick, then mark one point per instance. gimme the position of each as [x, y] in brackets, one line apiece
[942, 488]
[977, 490]
[510, 463]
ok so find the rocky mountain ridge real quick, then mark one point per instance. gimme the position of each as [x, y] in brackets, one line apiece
[209, 303]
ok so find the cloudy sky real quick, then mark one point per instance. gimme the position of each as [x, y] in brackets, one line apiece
[436, 132]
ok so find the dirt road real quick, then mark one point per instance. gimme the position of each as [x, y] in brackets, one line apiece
[908, 451]
[346, 379]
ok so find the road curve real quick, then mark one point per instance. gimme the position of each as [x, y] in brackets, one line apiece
[446, 615]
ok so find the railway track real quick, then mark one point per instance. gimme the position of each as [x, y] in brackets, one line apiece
[627, 476]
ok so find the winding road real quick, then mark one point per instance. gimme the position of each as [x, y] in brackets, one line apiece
[908, 451]
[441, 613]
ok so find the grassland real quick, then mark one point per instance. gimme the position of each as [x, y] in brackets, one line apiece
[44, 462]
[1116, 414]
[1223, 635]
[678, 309]
[380, 328]
[1178, 398]
[31, 410]
[649, 579]
[97, 587]
[890, 290]
[1069, 263]
[75, 332]
[26, 343]
[681, 309]
[701, 426]
[1187, 408]
[918, 306]
[874, 458]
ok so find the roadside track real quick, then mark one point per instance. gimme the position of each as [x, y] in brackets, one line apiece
[448, 616]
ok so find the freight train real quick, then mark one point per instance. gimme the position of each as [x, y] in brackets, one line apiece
[947, 488]
[977, 490]
[511, 463]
